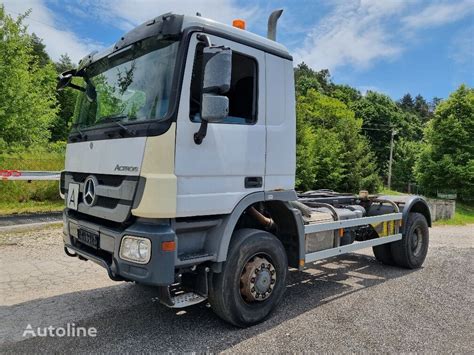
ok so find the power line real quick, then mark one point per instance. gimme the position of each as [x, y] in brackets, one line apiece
[31, 18]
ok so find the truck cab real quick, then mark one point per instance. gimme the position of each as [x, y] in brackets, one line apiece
[180, 171]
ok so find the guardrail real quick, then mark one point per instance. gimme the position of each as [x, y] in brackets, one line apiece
[21, 175]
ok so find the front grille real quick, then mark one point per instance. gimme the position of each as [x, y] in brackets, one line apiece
[115, 195]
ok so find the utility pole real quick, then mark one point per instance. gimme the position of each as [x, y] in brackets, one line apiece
[391, 159]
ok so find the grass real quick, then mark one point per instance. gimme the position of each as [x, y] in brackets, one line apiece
[9, 207]
[386, 191]
[43, 158]
[464, 215]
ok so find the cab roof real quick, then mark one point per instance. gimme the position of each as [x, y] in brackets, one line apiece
[171, 25]
[245, 36]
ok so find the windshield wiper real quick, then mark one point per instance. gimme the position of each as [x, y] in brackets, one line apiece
[116, 119]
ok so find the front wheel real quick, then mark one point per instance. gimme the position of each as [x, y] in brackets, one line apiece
[253, 278]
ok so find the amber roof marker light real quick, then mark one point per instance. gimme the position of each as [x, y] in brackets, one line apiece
[239, 23]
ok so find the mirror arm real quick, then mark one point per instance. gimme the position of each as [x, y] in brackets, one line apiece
[199, 135]
[204, 38]
[77, 87]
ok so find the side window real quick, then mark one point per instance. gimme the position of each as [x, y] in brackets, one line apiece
[242, 94]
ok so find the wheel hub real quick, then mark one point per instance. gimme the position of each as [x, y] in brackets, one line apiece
[416, 241]
[258, 279]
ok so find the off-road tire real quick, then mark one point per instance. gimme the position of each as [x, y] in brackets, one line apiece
[225, 287]
[409, 252]
[383, 254]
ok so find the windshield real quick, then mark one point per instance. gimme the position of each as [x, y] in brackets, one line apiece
[131, 85]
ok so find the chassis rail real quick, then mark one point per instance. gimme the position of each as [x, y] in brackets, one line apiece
[321, 227]
[324, 254]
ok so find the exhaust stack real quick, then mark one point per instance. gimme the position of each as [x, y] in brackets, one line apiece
[272, 24]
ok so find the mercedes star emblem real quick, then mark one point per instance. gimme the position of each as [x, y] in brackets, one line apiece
[90, 198]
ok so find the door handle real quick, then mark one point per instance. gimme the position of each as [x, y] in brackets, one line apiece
[252, 182]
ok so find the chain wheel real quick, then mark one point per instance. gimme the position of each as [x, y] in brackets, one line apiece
[258, 279]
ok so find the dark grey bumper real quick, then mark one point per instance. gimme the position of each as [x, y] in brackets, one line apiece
[160, 270]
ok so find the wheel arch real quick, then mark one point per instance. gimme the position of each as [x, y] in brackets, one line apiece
[416, 204]
[288, 219]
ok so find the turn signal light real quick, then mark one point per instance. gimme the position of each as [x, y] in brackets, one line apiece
[239, 24]
[168, 246]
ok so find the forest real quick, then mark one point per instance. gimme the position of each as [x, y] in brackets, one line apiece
[343, 135]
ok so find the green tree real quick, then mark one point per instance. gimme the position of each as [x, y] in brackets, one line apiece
[406, 103]
[39, 50]
[405, 155]
[305, 147]
[447, 162]
[346, 94]
[27, 90]
[435, 101]
[307, 78]
[422, 108]
[379, 115]
[67, 99]
[342, 159]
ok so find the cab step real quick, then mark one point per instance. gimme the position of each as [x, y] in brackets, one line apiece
[187, 299]
[176, 298]
[198, 257]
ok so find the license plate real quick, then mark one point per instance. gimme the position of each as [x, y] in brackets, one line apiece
[72, 196]
[88, 238]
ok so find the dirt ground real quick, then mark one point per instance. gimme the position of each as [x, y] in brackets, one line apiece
[349, 303]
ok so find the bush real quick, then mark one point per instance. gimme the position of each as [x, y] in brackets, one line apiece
[43, 158]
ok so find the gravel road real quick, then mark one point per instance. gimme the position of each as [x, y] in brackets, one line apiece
[346, 304]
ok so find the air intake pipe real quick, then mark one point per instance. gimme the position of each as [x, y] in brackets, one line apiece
[272, 24]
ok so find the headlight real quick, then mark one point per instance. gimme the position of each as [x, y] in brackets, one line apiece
[135, 249]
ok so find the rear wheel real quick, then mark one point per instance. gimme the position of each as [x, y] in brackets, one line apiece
[410, 252]
[253, 278]
[383, 253]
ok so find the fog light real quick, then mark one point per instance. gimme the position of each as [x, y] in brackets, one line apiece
[135, 249]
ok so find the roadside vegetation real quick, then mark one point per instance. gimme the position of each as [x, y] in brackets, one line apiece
[464, 215]
[31, 206]
[343, 135]
[391, 192]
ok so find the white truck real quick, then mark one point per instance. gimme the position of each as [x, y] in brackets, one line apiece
[180, 172]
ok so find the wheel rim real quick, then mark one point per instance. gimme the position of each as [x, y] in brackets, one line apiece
[258, 279]
[416, 241]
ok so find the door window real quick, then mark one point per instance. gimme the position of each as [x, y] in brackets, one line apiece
[242, 93]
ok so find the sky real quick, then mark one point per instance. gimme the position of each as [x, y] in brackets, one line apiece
[391, 46]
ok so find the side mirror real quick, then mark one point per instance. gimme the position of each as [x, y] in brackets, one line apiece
[217, 69]
[214, 108]
[64, 79]
[216, 79]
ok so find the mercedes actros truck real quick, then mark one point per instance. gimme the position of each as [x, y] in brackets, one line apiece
[180, 172]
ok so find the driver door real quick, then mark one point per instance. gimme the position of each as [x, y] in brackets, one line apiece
[213, 176]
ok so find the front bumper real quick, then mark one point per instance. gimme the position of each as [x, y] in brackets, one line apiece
[159, 271]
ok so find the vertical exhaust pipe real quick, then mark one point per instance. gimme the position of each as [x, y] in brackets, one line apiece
[272, 24]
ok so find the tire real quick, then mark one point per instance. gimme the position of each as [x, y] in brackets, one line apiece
[383, 254]
[230, 297]
[410, 252]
